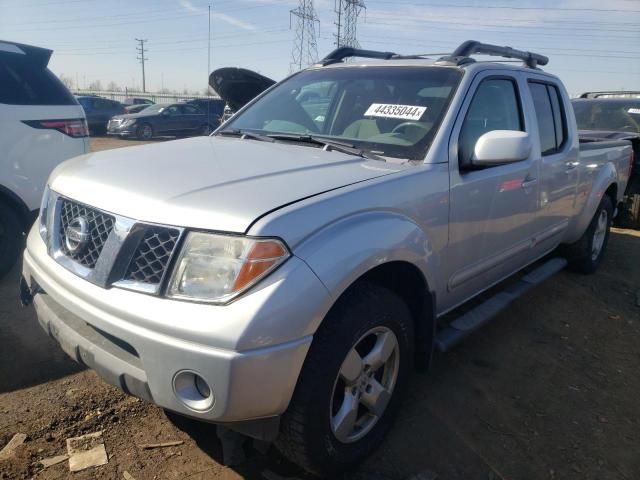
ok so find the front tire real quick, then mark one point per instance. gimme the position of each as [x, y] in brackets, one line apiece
[144, 132]
[586, 254]
[11, 238]
[352, 382]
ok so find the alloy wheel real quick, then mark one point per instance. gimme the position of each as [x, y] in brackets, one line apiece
[599, 234]
[364, 384]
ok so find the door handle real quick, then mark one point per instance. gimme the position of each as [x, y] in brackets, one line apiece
[529, 183]
[571, 166]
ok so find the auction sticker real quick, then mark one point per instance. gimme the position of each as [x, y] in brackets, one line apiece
[634, 110]
[406, 112]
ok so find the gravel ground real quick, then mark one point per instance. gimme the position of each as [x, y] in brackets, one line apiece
[549, 390]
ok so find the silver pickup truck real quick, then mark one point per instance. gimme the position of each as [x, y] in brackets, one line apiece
[283, 276]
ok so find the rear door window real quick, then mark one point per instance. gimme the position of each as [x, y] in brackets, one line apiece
[191, 110]
[23, 82]
[552, 122]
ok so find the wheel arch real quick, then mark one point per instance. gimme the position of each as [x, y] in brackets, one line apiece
[9, 198]
[386, 248]
[407, 281]
[605, 183]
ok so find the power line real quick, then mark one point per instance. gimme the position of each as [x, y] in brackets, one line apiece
[508, 7]
[142, 59]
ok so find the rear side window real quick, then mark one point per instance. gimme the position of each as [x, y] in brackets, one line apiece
[24, 83]
[191, 110]
[552, 123]
[495, 106]
[85, 102]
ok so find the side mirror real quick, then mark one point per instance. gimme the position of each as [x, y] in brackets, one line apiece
[166, 113]
[501, 146]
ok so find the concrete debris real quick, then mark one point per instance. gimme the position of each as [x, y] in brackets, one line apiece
[49, 462]
[127, 476]
[148, 446]
[10, 448]
[86, 451]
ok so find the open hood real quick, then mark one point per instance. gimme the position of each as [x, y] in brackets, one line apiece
[238, 86]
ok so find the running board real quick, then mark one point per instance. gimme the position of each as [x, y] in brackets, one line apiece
[458, 329]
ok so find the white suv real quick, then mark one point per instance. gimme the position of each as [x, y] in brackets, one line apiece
[41, 125]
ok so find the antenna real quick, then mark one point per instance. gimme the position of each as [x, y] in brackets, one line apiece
[305, 46]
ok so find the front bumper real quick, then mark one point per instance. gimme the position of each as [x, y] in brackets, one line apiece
[249, 352]
[123, 132]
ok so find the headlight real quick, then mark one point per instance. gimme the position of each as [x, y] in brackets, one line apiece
[44, 210]
[128, 122]
[215, 268]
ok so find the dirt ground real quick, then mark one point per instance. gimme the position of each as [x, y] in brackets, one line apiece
[549, 390]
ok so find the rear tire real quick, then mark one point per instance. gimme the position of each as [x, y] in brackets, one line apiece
[330, 424]
[11, 238]
[586, 254]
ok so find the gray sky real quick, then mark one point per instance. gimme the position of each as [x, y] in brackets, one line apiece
[593, 45]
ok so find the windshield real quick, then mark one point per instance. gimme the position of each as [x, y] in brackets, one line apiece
[391, 111]
[157, 108]
[618, 115]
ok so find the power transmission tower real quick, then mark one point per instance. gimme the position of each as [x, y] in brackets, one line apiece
[305, 46]
[348, 12]
[142, 58]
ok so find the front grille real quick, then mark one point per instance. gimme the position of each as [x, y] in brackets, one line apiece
[99, 223]
[151, 259]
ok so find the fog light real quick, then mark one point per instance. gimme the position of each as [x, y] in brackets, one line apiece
[193, 390]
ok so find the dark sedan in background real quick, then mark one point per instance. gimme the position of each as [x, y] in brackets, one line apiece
[99, 110]
[174, 119]
[213, 107]
[136, 108]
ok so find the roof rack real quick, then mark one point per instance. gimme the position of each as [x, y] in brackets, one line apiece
[462, 54]
[611, 93]
[341, 53]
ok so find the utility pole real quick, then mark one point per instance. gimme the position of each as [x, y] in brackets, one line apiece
[305, 46]
[337, 7]
[209, 54]
[348, 12]
[142, 58]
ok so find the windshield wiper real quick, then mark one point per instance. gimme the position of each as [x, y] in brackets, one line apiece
[327, 144]
[236, 132]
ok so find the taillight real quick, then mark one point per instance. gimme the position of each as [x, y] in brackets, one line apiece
[75, 127]
[631, 158]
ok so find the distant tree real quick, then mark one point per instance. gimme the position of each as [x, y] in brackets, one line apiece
[67, 81]
[95, 85]
[113, 87]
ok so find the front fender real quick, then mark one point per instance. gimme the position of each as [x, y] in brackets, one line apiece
[602, 177]
[345, 250]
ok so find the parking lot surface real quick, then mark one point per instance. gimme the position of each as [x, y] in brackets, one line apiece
[549, 390]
